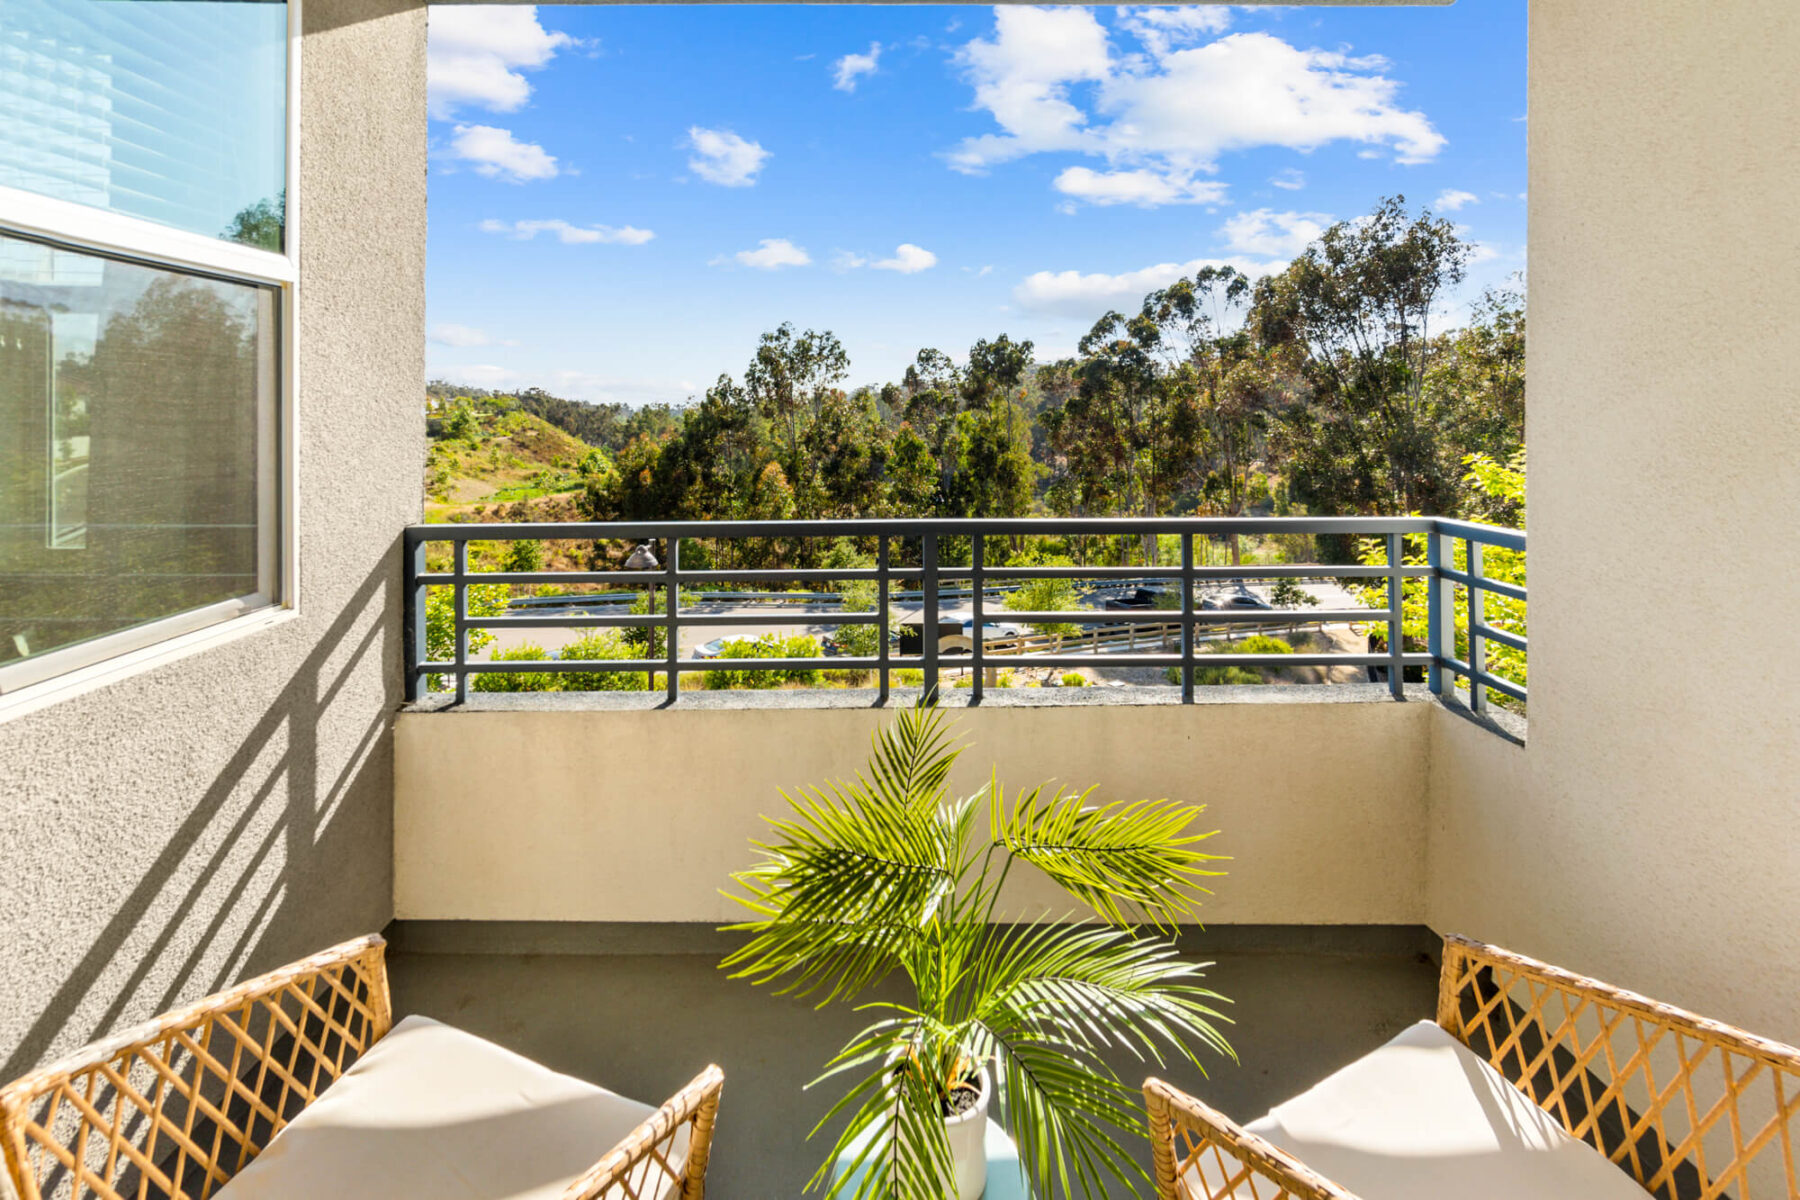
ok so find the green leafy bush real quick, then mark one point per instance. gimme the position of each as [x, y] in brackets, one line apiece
[770, 645]
[1077, 679]
[524, 681]
[1205, 676]
[601, 644]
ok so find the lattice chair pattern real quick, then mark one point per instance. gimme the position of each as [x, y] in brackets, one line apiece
[1691, 1108]
[176, 1107]
[647, 1165]
[1199, 1153]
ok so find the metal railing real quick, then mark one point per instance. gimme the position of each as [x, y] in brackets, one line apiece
[932, 580]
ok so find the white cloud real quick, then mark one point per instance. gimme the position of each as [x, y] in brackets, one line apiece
[845, 260]
[496, 154]
[852, 66]
[476, 54]
[1161, 27]
[1452, 200]
[1272, 234]
[1142, 187]
[1072, 293]
[463, 336]
[1289, 179]
[570, 235]
[771, 254]
[724, 158]
[908, 260]
[1175, 110]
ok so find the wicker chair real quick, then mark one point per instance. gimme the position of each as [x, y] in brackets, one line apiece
[178, 1107]
[1689, 1108]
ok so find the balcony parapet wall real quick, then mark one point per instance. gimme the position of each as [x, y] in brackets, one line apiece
[600, 807]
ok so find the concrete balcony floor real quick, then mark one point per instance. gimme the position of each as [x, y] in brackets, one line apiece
[641, 1008]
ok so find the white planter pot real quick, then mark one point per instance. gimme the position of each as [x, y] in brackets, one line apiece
[967, 1132]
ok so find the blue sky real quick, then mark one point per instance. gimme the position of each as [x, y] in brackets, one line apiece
[624, 198]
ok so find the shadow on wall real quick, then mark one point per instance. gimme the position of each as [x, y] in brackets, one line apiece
[230, 910]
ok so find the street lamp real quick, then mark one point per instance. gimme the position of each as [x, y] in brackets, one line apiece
[644, 559]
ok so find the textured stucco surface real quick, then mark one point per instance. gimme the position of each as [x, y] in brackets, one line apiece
[1650, 831]
[172, 831]
[641, 816]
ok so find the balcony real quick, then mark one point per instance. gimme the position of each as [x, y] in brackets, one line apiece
[559, 855]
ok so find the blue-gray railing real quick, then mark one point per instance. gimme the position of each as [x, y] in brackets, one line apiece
[930, 575]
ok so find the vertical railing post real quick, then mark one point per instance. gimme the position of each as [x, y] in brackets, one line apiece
[881, 608]
[1477, 618]
[672, 618]
[1396, 636]
[414, 591]
[977, 548]
[1441, 616]
[928, 587]
[1187, 618]
[460, 587]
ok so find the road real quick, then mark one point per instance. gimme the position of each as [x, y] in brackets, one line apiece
[1330, 595]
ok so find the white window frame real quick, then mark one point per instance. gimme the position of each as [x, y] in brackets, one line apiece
[29, 684]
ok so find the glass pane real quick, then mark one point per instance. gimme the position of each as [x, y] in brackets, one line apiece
[136, 412]
[172, 110]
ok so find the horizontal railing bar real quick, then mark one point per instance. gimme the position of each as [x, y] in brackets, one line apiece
[1281, 571]
[941, 527]
[1200, 660]
[659, 620]
[1504, 686]
[1166, 616]
[1490, 535]
[659, 665]
[775, 620]
[541, 577]
[1499, 635]
[569, 621]
[773, 574]
[949, 663]
[1483, 582]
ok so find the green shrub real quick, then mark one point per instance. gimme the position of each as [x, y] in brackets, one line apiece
[1205, 676]
[524, 681]
[909, 677]
[602, 644]
[1077, 679]
[769, 645]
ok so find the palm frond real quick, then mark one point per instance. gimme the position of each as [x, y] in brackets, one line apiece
[844, 884]
[1067, 1112]
[893, 1145]
[1127, 855]
[1103, 988]
[910, 759]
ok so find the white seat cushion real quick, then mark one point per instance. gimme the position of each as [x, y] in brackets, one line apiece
[433, 1113]
[1424, 1118]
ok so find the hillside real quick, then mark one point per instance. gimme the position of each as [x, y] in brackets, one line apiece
[482, 455]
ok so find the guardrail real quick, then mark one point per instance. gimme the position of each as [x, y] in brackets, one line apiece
[922, 540]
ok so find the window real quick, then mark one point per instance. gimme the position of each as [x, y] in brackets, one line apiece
[147, 274]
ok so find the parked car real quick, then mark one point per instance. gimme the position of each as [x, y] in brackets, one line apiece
[1236, 602]
[716, 647]
[1140, 599]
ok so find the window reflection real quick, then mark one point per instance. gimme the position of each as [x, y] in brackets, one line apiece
[171, 110]
[136, 419]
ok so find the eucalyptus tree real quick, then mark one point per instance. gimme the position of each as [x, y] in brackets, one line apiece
[789, 380]
[1359, 303]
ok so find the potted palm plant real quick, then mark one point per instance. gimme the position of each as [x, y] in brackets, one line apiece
[892, 872]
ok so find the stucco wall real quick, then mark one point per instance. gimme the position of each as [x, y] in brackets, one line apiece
[642, 815]
[172, 831]
[1651, 834]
